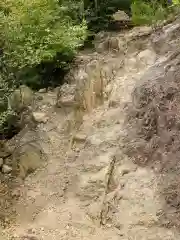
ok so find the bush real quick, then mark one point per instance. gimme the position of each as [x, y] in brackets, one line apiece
[98, 15]
[148, 12]
[35, 31]
[37, 38]
[151, 12]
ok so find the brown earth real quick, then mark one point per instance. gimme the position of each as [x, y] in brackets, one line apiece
[104, 184]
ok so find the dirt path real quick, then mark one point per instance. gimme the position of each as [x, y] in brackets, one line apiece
[93, 191]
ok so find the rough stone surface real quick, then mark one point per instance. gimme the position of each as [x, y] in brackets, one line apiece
[1, 162]
[43, 90]
[120, 15]
[101, 192]
[40, 117]
[6, 169]
[21, 98]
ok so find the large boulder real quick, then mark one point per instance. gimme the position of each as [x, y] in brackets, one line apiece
[27, 160]
[15, 111]
[166, 39]
[27, 153]
[21, 98]
[120, 16]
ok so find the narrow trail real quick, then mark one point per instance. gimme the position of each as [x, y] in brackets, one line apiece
[93, 191]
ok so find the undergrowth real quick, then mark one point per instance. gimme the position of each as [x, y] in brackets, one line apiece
[151, 12]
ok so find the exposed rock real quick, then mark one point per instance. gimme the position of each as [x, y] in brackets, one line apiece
[27, 154]
[8, 161]
[39, 98]
[6, 169]
[119, 194]
[68, 89]
[113, 103]
[43, 90]
[29, 237]
[25, 118]
[4, 151]
[120, 25]
[147, 57]
[21, 98]
[108, 90]
[16, 193]
[40, 117]
[65, 96]
[166, 39]
[29, 161]
[120, 15]
[67, 101]
[21, 101]
[1, 162]
[80, 137]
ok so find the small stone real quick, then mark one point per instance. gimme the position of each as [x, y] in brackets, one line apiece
[16, 193]
[61, 193]
[50, 89]
[112, 104]
[108, 89]
[125, 171]
[6, 169]
[77, 150]
[1, 162]
[80, 137]
[43, 90]
[39, 98]
[40, 117]
[15, 236]
[67, 227]
[31, 231]
[120, 16]
[67, 101]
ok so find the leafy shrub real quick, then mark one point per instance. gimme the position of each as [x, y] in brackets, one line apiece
[35, 31]
[146, 12]
[98, 13]
[37, 38]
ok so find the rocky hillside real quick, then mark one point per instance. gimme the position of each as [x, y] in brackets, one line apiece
[105, 147]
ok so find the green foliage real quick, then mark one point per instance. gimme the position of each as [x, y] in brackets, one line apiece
[149, 12]
[35, 31]
[176, 2]
[99, 12]
[37, 38]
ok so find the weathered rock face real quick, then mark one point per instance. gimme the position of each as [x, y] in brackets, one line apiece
[24, 157]
[66, 96]
[94, 182]
[120, 15]
[27, 160]
[166, 39]
[1, 162]
[4, 151]
[40, 117]
[6, 169]
[21, 98]
[26, 154]
[19, 103]
[154, 116]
